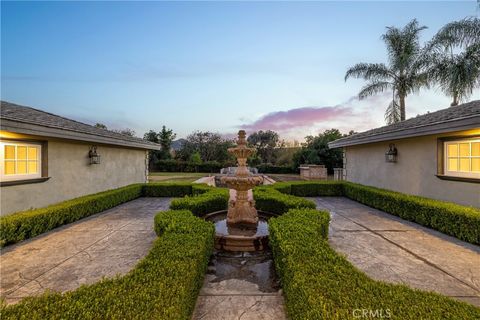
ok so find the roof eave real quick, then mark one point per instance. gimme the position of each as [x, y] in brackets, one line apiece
[37, 130]
[444, 127]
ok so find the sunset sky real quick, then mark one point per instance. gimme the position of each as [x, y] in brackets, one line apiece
[216, 66]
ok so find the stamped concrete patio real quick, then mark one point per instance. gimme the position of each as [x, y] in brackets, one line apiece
[394, 250]
[83, 252]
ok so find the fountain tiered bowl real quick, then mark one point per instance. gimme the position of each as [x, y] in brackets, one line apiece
[241, 227]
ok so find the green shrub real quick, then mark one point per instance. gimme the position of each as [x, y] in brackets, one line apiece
[164, 285]
[459, 221]
[315, 189]
[201, 188]
[203, 203]
[271, 200]
[283, 187]
[268, 168]
[452, 219]
[27, 224]
[167, 190]
[318, 283]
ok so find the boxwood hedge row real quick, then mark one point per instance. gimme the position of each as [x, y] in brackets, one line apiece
[215, 199]
[318, 283]
[271, 200]
[27, 224]
[164, 285]
[459, 221]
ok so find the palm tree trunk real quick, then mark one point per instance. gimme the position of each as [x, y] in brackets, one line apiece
[455, 100]
[402, 107]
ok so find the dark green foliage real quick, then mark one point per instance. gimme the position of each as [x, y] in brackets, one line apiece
[315, 189]
[164, 285]
[28, 224]
[201, 204]
[187, 166]
[211, 147]
[24, 225]
[265, 143]
[167, 190]
[271, 200]
[316, 151]
[452, 219]
[318, 283]
[268, 168]
[201, 188]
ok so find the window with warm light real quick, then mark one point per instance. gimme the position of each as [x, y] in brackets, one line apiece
[462, 158]
[20, 161]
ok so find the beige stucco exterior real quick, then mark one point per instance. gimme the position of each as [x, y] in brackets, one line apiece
[413, 173]
[72, 176]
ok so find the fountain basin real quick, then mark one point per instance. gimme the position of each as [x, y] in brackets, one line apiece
[238, 237]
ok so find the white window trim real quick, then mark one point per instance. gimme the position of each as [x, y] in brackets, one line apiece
[16, 177]
[463, 174]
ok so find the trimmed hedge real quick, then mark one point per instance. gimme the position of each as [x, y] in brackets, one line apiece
[215, 199]
[268, 168]
[27, 224]
[167, 190]
[311, 189]
[450, 218]
[271, 200]
[458, 221]
[164, 285]
[318, 283]
[186, 166]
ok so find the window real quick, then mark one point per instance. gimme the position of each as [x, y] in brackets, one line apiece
[20, 161]
[462, 158]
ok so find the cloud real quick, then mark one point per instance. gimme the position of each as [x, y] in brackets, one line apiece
[296, 123]
[298, 117]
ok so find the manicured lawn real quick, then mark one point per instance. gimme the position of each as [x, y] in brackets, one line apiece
[175, 176]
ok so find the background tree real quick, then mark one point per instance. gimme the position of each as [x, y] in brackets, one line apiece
[404, 74]
[165, 138]
[211, 147]
[265, 142]
[196, 160]
[455, 59]
[100, 125]
[316, 151]
[127, 132]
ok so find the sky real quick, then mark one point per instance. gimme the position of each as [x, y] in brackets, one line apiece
[216, 66]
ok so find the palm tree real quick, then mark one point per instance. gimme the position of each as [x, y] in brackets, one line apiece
[456, 71]
[404, 74]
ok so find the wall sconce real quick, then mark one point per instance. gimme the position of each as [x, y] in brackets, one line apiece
[93, 155]
[391, 154]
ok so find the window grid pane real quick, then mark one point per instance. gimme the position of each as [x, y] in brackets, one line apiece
[462, 157]
[20, 160]
[10, 152]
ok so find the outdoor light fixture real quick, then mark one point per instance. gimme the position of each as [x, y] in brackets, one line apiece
[93, 155]
[391, 154]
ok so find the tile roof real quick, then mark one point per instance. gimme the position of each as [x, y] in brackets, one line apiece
[38, 118]
[461, 117]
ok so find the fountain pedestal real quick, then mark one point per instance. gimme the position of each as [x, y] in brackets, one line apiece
[241, 209]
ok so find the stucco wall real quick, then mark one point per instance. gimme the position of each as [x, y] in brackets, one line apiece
[413, 173]
[72, 175]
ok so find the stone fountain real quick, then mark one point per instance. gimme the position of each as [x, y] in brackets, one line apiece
[241, 208]
[241, 227]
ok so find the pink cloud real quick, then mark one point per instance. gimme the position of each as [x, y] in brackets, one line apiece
[298, 117]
